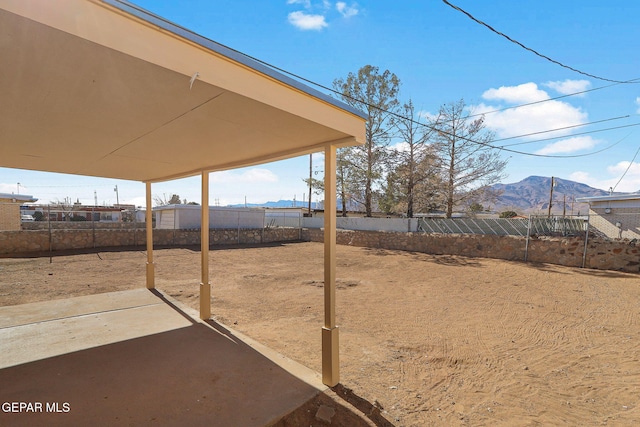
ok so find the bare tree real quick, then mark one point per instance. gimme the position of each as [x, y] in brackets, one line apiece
[164, 200]
[468, 163]
[412, 162]
[375, 94]
[65, 206]
[344, 183]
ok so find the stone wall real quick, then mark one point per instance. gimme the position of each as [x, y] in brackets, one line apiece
[9, 215]
[33, 241]
[620, 255]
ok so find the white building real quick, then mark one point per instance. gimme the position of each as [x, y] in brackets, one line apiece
[182, 217]
[616, 216]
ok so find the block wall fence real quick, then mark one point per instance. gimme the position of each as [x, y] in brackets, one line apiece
[621, 255]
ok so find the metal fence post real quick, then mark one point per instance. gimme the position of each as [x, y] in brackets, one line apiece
[586, 241]
[50, 237]
[526, 245]
[93, 226]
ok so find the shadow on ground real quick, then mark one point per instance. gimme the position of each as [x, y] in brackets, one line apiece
[190, 373]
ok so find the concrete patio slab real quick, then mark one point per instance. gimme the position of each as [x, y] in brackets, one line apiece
[16, 315]
[137, 358]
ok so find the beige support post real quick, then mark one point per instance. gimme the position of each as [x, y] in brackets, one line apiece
[151, 281]
[205, 285]
[330, 353]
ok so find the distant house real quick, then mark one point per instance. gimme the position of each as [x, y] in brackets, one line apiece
[616, 216]
[10, 210]
[79, 212]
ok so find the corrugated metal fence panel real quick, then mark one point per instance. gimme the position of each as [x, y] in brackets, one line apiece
[541, 226]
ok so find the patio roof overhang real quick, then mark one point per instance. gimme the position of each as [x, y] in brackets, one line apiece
[103, 88]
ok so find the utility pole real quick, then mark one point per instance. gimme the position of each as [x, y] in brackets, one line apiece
[573, 199]
[117, 196]
[551, 196]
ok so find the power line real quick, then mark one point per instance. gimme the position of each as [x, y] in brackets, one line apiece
[562, 128]
[552, 99]
[570, 136]
[572, 156]
[432, 127]
[303, 79]
[529, 49]
[625, 172]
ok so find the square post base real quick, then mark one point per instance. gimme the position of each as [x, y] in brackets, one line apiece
[151, 280]
[330, 356]
[205, 301]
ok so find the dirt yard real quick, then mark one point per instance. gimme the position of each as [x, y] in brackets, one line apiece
[431, 340]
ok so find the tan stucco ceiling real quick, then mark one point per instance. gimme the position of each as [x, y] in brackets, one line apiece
[103, 89]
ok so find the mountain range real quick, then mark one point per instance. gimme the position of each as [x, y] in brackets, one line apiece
[532, 194]
[529, 196]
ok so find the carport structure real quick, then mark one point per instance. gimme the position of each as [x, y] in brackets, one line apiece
[103, 88]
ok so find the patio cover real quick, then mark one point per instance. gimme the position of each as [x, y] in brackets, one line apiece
[104, 88]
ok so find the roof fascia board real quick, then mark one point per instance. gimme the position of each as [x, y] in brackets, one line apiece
[344, 142]
[608, 198]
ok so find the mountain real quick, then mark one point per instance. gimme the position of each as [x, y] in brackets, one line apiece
[531, 196]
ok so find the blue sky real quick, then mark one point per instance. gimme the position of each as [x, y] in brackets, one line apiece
[440, 56]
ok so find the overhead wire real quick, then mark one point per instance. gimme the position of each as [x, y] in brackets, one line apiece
[570, 136]
[564, 128]
[625, 172]
[486, 145]
[555, 98]
[530, 49]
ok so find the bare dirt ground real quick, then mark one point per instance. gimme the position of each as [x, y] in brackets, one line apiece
[430, 340]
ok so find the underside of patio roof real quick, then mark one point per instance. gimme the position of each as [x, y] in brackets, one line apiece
[104, 88]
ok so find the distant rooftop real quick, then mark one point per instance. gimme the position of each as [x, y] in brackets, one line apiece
[18, 197]
[611, 198]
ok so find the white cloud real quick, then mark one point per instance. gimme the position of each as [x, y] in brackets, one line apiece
[524, 93]
[9, 188]
[638, 103]
[305, 3]
[427, 115]
[621, 167]
[567, 87]
[306, 21]
[141, 201]
[346, 11]
[530, 118]
[254, 175]
[629, 184]
[401, 147]
[569, 145]
[580, 176]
